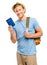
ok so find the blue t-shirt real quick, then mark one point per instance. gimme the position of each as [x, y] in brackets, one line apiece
[25, 45]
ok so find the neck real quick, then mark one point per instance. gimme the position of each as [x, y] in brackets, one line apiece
[22, 18]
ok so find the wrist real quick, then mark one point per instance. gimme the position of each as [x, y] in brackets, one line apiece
[31, 36]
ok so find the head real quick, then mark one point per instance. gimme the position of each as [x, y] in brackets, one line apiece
[19, 9]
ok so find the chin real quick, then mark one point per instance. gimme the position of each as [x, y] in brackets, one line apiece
[20, 16]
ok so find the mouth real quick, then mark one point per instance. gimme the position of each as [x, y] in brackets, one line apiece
[19, 14]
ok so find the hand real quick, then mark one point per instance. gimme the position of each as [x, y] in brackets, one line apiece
[27, 34]
[10, 29]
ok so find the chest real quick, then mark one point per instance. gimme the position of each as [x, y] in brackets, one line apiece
[21, 27]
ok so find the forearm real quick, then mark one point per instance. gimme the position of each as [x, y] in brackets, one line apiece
[13, 37]
[36, 35]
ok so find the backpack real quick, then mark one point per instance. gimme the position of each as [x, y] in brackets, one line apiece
[37, 40]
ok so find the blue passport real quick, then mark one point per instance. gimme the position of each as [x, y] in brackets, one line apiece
[10, 22]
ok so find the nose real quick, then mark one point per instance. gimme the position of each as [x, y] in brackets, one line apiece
[18, 13]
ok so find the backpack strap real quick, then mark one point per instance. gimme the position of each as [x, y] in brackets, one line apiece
[27, 22]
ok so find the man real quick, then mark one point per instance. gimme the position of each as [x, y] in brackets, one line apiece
[26, 48]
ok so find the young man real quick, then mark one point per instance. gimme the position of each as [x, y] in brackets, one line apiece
[26, 48]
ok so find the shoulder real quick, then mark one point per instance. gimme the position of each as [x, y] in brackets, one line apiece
[16, 23]
[32, 19]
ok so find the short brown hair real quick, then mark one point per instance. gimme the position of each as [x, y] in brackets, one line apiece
[17, 4]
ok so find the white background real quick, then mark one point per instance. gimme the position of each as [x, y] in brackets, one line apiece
[35, 8]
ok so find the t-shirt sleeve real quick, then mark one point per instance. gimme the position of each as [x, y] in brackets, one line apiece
[35, 24]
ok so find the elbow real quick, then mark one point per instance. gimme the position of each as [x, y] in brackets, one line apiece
[13, 41]
[41, 34]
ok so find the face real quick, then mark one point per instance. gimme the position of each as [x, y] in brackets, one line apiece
[19, 11]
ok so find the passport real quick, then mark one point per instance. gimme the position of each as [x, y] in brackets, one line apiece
[10, 22]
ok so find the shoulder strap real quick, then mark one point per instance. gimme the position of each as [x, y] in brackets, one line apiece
[27, 22]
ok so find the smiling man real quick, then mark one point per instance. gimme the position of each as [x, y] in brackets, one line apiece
[26, 48]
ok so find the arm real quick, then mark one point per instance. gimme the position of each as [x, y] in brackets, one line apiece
[12, 34]
[13, 37]
[35, 35]
[37, 28]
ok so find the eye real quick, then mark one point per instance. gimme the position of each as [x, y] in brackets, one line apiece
[16, 10]
[19, 9]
